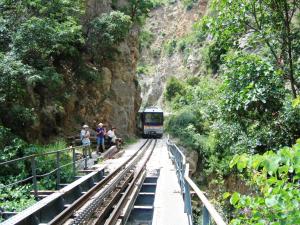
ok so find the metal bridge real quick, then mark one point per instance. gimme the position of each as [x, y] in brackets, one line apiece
[149, 184]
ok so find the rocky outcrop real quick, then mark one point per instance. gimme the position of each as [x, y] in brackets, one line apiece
[171, 22]
[111, 95]
[118, 98]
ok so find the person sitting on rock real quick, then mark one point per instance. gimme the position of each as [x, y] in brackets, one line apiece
[100, 137]
[113, 138]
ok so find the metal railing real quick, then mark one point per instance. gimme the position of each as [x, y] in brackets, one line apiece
[182, 170]
[32, 159]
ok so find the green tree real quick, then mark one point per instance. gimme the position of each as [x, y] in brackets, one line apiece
[139, 8]
[252, 86]
[174, 87]
[107, 31]
[34, 36]
[269, 22]
[274, 178]
[39, 40]
[64, 13]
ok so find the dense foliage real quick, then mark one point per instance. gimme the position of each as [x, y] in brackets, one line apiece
[43, 43]
[249, 107]
[18, 197]
[37, 35]
[108, 30]
[274, 178]
[43, 54]
[268, 27]
[253, 108]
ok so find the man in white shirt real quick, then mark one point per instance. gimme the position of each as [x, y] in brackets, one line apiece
[114, 140]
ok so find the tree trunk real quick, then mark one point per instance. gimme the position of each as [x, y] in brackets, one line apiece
[289, 45]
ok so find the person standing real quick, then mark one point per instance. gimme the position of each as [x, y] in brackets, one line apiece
[100, 137]
[85, 139]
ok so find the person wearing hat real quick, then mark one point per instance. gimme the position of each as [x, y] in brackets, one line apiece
[100, 137]
[85, 138]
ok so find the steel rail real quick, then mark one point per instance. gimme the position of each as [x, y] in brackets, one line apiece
[99, 201]
[96, 202]
[103, 212]
[128, 206]
[115, 215]
[68, 212]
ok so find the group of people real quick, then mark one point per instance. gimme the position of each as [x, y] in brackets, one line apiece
[101, 136]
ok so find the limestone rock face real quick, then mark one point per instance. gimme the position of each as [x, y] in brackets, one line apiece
[113, 98]
[169, 23]
[192, 158]
[107, 79]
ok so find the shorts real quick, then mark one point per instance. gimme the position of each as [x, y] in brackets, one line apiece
[86, 143]
[100, 140]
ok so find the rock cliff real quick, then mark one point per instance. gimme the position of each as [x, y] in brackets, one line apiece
[168, 24]
[110, 96]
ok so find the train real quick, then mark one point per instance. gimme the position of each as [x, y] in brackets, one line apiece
[151, 122]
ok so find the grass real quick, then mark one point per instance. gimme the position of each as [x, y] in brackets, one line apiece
[57, 145]
[130, 140]
[145, 69]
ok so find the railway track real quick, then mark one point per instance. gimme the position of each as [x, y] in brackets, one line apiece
[111, 199]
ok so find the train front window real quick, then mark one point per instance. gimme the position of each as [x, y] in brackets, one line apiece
[153, 118]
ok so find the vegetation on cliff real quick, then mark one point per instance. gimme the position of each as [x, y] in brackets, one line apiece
[245, 105]
[44, 49]
[49, 56]
[37, 36]
[250, 106]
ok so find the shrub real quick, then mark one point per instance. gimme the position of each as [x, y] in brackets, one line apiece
[5, 37]
[182, 45]
[13, 78]
[213, 55]
[13, 86]
[170, 46]
[193, 81]
[155, 52]
[37, 39]
[11, 147]
[106, 32]
[138, 10]
[158, 3]
[189, 4]
[142, 70]
[274, 178]
[252, 86]
[174, 87]
[15, 199]
[146, 37]
[88, 74]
